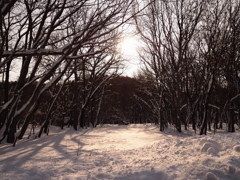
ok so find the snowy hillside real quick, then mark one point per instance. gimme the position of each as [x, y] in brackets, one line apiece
[133, 152]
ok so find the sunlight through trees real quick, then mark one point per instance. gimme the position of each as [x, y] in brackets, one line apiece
[71, 57]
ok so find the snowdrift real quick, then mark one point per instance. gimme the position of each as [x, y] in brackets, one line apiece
[133, 152]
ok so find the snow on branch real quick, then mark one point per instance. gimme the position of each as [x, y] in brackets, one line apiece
[214, 106]
[32, 52]
[235, 97]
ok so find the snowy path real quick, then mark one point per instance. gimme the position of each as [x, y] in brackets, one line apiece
[134, 152]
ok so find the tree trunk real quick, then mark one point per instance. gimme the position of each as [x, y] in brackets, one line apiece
[11, 133]
[6, 83]
[75, 119]
[44, 127]
[204, 122]
[81, 118]
[231, 120]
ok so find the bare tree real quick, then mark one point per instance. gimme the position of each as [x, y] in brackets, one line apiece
[219, 51]
[41, 29]
[190, 53]
[168, 33]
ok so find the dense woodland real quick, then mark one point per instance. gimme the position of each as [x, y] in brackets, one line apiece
[70, 67]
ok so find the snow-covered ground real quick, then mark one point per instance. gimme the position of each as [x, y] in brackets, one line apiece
[133, 152]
